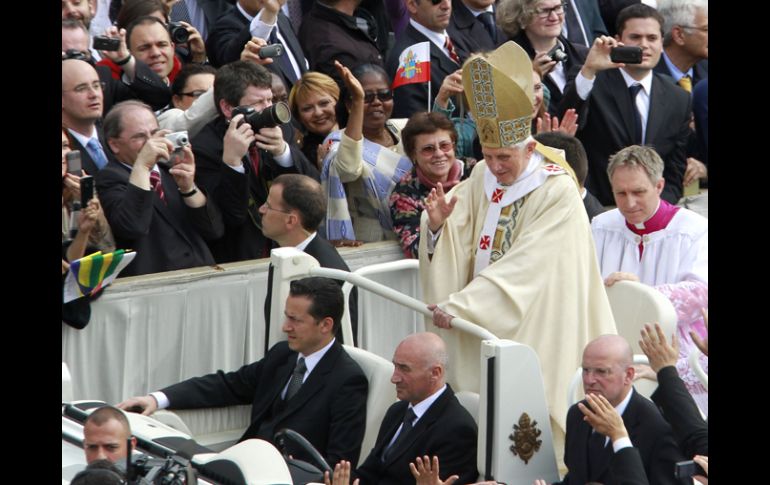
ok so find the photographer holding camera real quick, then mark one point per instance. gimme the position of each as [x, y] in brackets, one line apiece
[240, 152]
[152, 208]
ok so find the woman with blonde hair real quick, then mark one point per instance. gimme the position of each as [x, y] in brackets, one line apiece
[313, 102]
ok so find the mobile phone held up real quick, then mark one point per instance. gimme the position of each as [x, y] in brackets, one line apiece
[626, 54]
[686, 469]
[86, 190]
[104, 43]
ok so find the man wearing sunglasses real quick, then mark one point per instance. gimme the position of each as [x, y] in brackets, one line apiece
[428, 21]
[192, 100]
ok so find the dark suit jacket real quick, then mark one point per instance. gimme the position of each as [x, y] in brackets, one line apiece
[446, 430]
[212, 10]
[87, 162]
[607, 125]
[472, 36]
[146, 86]
[166, 236]
[327, 35]
[649, 433]
[627, 468]
[231, 33]
[592, 19]
[328, 257]
[411, 98]
[680, 410]
[700, 70]
[576, 56]
[593, 206]
[240, 195]
[610, 9]
[329, 409]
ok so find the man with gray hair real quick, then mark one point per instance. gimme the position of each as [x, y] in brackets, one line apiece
[645, 238]
[427, 420]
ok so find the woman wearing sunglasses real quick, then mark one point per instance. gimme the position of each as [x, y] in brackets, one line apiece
[364, 161]
[429, 140]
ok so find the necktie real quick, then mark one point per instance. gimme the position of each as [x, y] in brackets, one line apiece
[405, 429]
[179, 12]
[488, 19]
[254, 158]
[296, 378]
[686, 83]
[574, 32]
[97, 154]
[596, 455]
[634, 90]
[295, 13]
[451, 49]
[283, 60]
[156, 185]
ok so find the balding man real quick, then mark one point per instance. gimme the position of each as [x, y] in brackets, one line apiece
[105, 435]
[608, 371]
[428, 419]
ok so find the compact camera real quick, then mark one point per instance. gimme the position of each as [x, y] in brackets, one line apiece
[626, 54]
[104, 43]
[277, 114]
[557, 53]
[272, 50]
[178, 33]
[179, 139]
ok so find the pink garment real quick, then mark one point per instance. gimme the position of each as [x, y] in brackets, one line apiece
[688, 297]
[658, 221]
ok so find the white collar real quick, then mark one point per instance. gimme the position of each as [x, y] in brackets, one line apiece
[674, 71]
[83, 139]
[476, 12]
[437, 38]
[301, 246]
[646, 82]
[621, 408]
[422, 407]
[313, 359]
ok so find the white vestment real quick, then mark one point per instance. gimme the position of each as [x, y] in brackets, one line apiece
[545, 291]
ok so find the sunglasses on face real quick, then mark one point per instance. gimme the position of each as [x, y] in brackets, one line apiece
[436, 2]
[445, 146]
[383, 95]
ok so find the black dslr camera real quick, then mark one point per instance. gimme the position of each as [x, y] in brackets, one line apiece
[178, 33]
[173, 470]
[277, 114]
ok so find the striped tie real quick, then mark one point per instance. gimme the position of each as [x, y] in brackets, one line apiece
[451, 49]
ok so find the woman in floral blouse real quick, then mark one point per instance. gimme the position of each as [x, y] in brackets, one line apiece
[429, 140]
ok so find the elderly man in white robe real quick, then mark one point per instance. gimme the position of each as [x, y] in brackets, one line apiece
[510, 248]
[647, 239]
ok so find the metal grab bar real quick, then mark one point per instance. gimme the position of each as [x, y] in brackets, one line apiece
[401, 299]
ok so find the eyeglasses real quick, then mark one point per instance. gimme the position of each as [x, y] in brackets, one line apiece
[95, 86]
[383, 95]
[436, 2]
[194, 94]
[544, 13]
[702, 29]
[445, 146]
[267, 205]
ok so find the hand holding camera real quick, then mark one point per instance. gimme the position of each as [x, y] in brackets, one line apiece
[598, 58]
[185, 33]
[237, 139]
[543, 64]
[265, 125]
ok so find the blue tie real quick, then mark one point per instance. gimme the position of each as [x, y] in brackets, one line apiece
[283, 60]
[97, 154]
[634, 90]
[488, 19]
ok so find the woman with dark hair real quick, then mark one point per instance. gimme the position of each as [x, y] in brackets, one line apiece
[364, 161]
[313, 101]
[429, 141]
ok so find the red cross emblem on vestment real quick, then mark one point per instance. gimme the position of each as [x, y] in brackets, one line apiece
[497, 195]
[553, 168]
[484, 242]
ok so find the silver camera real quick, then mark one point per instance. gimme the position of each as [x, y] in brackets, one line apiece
[179, 139]
[557, 54]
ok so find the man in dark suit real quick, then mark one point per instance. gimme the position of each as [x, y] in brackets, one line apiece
[334, 31]
[154, 210]
[290, 216]
[608, 372]
[308, 384]
[427, 22]
[428, 419]
[201, 14]
[262, 19]
[474, 21]
[672, 397]
[630, 105]
[237, 174]
[583, 22]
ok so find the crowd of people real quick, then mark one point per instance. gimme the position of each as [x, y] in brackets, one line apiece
[531, 171]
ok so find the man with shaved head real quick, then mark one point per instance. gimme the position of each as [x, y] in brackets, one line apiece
[428, 419]
[608, 371]
[106, 432]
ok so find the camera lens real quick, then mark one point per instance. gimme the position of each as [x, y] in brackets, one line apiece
[178, 33]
